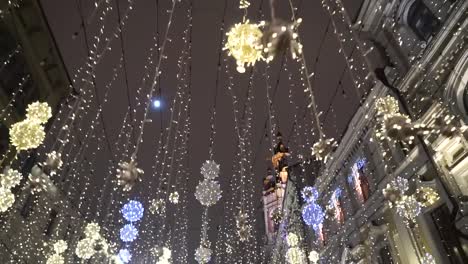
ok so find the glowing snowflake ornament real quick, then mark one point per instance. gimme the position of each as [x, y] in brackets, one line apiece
[10, 178]
[208, 192]
[26, 135]
[210, 170]
[295, 255]
[7, 198]
[292, 239]
[174, 198]
[92, 231]
[40, 112]
[132, 211]
[244, 44]
[128, 174]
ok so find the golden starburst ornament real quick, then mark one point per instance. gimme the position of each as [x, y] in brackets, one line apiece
[245, 44]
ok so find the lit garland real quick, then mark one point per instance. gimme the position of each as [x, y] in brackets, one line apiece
[163, 255]
[294, 255]
[55, 259]
[132, 211]
[243, 227]
[428, 259]
[323, 148]
[92, 244]
[59, 248]
[128, 233]
[244, 44]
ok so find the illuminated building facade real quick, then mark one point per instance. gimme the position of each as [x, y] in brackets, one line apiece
[426, 45]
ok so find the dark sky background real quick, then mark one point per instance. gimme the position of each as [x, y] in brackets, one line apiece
[335, 95]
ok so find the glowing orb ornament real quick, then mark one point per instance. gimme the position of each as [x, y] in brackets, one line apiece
[203, 254]
[85, 248]
[60, 246]
[314, 256]
[26, 135]
[244, 44]
[174, 198]
[210, 170]
[309, 194]
[157, 206]
[128, 174]
[208, 192]
[124, 255]
[92, 231]
[7, 198]
[323, 148]
[40, 112]
[313, 215]
[292, 239]
[10, 178]
[55, 259]
[128, 233]
[295, 255]
[132, 211]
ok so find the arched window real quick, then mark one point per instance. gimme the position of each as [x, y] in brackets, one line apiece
[417, 16]
[456, 91]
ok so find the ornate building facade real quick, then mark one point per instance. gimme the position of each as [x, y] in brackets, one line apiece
[389, 200]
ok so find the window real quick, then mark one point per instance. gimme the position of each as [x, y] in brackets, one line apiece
[358, 180]
[337, 204]
[421, 20]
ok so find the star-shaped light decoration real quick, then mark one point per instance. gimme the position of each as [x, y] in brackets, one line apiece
[174, 197]
[280, 36]
[323, 148]
[157, 206]
[244, 44]
[10, 178]
[128, 174]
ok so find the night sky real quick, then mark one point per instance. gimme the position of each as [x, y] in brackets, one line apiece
[336, 97]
